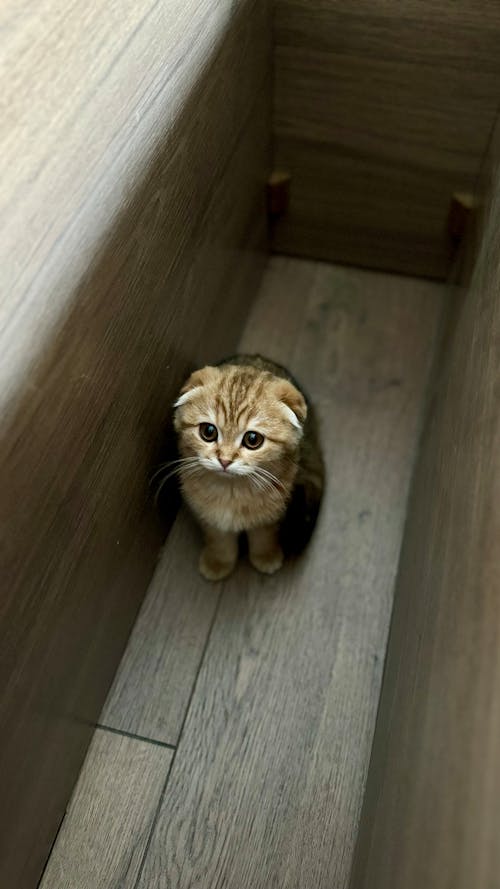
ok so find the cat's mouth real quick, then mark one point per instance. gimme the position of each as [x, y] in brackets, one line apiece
[228, 471]
[225, 470]
[257, 476]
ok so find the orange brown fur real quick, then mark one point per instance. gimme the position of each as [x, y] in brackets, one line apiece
[253, 491]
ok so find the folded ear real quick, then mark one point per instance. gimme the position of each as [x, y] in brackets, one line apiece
[195, 382]
[293, 402]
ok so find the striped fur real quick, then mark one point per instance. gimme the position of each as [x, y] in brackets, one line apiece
[273, 493]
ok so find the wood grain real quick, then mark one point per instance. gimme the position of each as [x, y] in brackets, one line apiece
[133, 217]
[268, 778]
[432, 806]
[150, 694]
[382, 112]
[399, 226]
[104, 832]
[440, 33]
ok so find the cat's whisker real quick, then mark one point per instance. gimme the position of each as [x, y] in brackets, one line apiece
[191, 469]
[162, 485]
[269, 476]
[183, 461]
[271, 488]
[178, 460]
[259, 482]
[264, 484]
[258, 485]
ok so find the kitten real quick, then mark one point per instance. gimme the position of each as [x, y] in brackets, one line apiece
[250, 461]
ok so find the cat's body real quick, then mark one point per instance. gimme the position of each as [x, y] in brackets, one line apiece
[250, 461]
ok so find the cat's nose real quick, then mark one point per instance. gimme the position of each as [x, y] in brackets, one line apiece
[224, 463]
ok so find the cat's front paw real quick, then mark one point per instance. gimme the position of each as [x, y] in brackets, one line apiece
[213, 568]
[268, 562]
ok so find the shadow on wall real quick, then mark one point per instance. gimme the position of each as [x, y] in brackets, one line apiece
[78, 537]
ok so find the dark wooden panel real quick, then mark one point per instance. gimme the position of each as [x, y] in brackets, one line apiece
[133, 241]
[432, 806]
[390, 216]
[105, 830]
[448, 34]
[381, 113]
[267, 782]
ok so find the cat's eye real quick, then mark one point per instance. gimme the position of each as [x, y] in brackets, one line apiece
[253, 440]
[208, 432]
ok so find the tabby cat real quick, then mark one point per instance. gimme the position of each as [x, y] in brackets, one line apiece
[250, 461]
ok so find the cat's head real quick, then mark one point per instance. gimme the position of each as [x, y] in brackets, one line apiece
[236, 420]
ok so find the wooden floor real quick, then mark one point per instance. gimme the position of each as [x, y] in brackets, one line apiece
[233, 749]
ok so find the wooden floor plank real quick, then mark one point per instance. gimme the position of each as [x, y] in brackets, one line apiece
[267, 782]
[105, 830]
[152, 687]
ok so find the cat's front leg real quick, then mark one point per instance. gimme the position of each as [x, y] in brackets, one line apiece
[219, 555]
[264, 550]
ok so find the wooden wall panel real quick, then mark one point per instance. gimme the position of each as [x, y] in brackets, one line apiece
[432, 806]
[382, 112]
[133, 238]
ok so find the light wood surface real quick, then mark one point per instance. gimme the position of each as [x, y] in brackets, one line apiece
[381, 113]
[267, 782]
[153, 685]
[95, 849]
[432, 808]
[132, 217]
